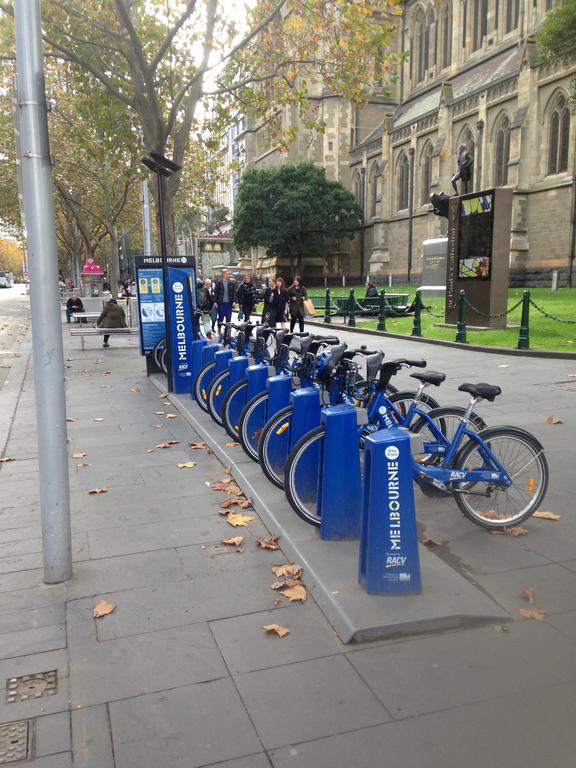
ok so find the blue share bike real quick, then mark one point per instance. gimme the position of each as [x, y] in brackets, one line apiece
[498, 476]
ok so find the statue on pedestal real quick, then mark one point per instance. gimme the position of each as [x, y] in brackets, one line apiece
[464, 172]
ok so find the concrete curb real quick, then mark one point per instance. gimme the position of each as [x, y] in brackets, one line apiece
[550, 354]
[448, 600]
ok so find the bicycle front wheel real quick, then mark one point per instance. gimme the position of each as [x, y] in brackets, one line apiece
[202, 384]
[251, 423]
[302, 481]
[232, 407]
[274, 446]
[216, 393]
[490, 505]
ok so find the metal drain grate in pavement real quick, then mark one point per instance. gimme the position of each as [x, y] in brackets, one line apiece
[16, 742]
[28, 687]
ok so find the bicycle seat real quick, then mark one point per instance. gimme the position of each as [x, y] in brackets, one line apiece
[319, 341]
[373, 363]
[483, 391]
[336, 354]
[430, 377]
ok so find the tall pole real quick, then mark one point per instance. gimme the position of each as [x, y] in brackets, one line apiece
[146, 229]
[44, 300]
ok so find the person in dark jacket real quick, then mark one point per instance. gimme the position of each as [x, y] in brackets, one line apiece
[225, 296]
[371, 291]
[247, 297]
[268, 300]
[74, 304]
[112, 316]
[207, 303]
[296, 295]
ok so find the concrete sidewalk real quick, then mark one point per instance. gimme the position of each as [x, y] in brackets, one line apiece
[181, 673]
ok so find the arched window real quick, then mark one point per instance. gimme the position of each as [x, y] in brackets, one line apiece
[419, 46]
[464, 22]
[357, 187]
[502, 153]
[374, 174]
[426, 174]
[512, 14]
[446, 28]
[480, 23]
[431, 32]
[402, 173]
[558, 136]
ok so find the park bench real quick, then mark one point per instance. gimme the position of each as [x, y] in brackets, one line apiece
[83, 332]
[370, 305]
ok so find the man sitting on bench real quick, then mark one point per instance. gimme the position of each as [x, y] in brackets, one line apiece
[74, 304]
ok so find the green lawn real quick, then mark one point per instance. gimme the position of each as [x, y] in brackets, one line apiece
[545, 333]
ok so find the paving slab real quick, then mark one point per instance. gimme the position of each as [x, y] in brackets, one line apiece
[30, 641]
[92, 737]
[52, 734]
[193, 726]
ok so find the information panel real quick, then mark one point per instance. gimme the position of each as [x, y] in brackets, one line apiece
[151, 307]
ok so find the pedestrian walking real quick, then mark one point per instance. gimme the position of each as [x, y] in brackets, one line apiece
[112, 316]
[207, 304]
[247, 298]
[296, 295]
[225, 296]
[268, 301]
[277, 303]
[74, 305]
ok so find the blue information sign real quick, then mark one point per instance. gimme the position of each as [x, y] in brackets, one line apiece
[180, 303]
[151, 307]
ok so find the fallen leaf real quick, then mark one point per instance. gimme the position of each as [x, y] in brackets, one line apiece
[502, 628]
[546, 515]
[572, 375]
[428, 542]
[149, 450]
[160, 413]
[228, 470]
[162, 445]
[528, 594]
[99, 360]
[231, 444]
[235, 541]
[280, 631]
[278, 601]
[504, 365]
[201, 447]
[98, 418]
[135, 389]
[297, 593]
[79, 455]
[270, 543]
[158, 426]
[186, 464]
[98, 490]
[106, 373]
[71, 419]
[173, 442]
[289, 569]
[4, 459]
[554, 420]
[103, 608]
[106, 386]
[164, 395]
[532, 613]
[81, 466]
[285, 583]
[514, 531]
[239, 520]
[244, 503]
[170, 415]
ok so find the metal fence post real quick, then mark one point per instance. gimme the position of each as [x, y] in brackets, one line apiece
[417, 324]
[461, 324]
[352, 309]
[524, 335]
[327, 307]
[382, 311]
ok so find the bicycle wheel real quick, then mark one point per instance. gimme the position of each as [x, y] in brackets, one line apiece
[403, 400]
[216, 393]
[157, 351]
[163, 357]
[274, 445]
[489, 505]
[302, 476]
[447, 419]
[202, 384]
[252, 421]
[234, 402]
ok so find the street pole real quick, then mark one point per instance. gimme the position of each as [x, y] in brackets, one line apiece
[44, 299]
[147, 232]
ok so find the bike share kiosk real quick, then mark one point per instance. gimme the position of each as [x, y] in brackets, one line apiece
[389, 563]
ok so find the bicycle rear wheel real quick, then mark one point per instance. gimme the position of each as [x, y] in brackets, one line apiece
[251, 423]
[216, 393]
[523, 457]
[232, 407]
[202, 384]
[302, 481]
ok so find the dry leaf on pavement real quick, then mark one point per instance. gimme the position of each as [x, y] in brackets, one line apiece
[528, 594]
[270, 543]
[173, 442]
[285, 583]
[135, 389]
[98, 490]
[228, 470]
[514, 531]
[288, 569]
[554, 420]
[280, 631]
[235, 541]
[160, 413]
[4, 459]
[533, 613]
[231, 444]
[297, 593]
[98, 418]
[428, 542]
[239, 520]
[79, 455]
[546, 515]
[170, 415]
[81, 466]
[162, 445]
[103, 608]
[186, 464]
[71, 419]
[245, 503]
[504, 365]
[201, 446]
[164, 394]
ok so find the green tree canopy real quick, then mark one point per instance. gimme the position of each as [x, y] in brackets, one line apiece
[293, 211]
[556, 38]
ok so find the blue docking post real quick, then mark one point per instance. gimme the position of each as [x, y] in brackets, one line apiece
[197, 347]
[221, 359]
[208, 353]
[306, 413]
[339, 486]
[279, 389]
[256, 378]
[237, 366]
[389, 561]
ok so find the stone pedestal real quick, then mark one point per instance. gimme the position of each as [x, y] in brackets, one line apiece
[92, 283]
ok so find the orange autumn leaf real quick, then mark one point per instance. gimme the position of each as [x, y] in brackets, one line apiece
[162, 445]
[532, 613]
[98, 490]
[546, 515]
[71, 419]
[170, 415]
[289, 569]
[160, 413]
[554, 420]
[236, 520]
[276, 628]
[235, 541]
[231, 444]
[103, 608]
[296, 593]
[135, 389]
[270, 543]
[186, 464]
[79, 455]
[201, 446]
[514, 531]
